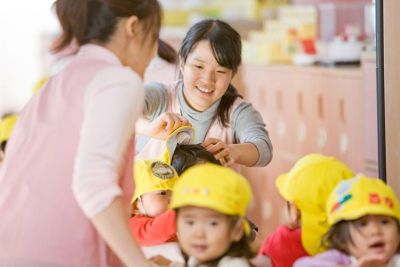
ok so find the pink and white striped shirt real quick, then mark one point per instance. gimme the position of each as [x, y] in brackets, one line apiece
[69, 157]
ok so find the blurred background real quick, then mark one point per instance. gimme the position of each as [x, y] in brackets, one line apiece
[23, 34]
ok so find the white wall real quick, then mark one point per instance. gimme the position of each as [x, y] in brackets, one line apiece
[22, 23]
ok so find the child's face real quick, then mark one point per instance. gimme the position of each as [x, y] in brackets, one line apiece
[206, 234]
[205, 81]
[154, 203]
[374, 234]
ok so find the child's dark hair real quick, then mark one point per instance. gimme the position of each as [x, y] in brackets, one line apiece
[186, 156]
[95, 20]
[338, 235]
[241, 248]
[226, 47]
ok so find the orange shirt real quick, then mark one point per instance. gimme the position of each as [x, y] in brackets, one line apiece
[150, 231]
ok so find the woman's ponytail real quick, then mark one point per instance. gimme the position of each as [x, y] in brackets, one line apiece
[226, 103]
[73, 17]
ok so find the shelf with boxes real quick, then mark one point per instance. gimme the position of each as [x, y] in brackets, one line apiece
[310, 110]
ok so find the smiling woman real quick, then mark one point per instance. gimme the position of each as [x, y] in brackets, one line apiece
[227, 126]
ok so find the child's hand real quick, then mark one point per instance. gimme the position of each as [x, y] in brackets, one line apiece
[165, 124]
[159, 260]
[261, 261]
[370, 260]
[220, 150]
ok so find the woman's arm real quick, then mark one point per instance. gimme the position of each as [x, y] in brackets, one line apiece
[245, 154]
[113, 101]
[162, 126]
[112, 225]
[228, 154]
[249, 127]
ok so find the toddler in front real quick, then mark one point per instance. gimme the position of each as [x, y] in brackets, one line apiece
[152, 222]
[211, 202]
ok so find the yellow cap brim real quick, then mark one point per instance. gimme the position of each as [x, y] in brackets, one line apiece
[281, 184]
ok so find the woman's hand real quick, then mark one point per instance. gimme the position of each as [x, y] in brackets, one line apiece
[220, 150]
[162, 126]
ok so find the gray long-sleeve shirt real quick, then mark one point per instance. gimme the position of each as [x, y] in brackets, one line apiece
[246, 122]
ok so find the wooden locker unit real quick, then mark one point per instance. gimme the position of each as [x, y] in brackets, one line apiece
[370, 142]
[326, 103]
[341, 91]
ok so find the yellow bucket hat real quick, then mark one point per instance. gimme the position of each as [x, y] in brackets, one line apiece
[214, 187]
[6, 127]
[152, 175]
[308, 185]
[182, 135]
[360, 196]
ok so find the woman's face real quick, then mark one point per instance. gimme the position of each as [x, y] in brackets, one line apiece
[144, 53]
[374, 234]
[205, 81]
[135, 44]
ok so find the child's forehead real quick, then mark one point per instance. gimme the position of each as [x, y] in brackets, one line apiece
[372, 217]
[195, 211]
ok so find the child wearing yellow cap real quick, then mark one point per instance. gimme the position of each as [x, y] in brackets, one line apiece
[305, 188]
[363, 214]
[151, 222]
[211, 202]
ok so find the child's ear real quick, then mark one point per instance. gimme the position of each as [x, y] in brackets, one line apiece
[135, 208]
[294, 215]
[237, 230]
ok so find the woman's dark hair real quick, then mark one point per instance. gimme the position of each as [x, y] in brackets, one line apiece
[166, 52]
[226, 47]
[338, 235]
[186, 156]
[84, 21]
